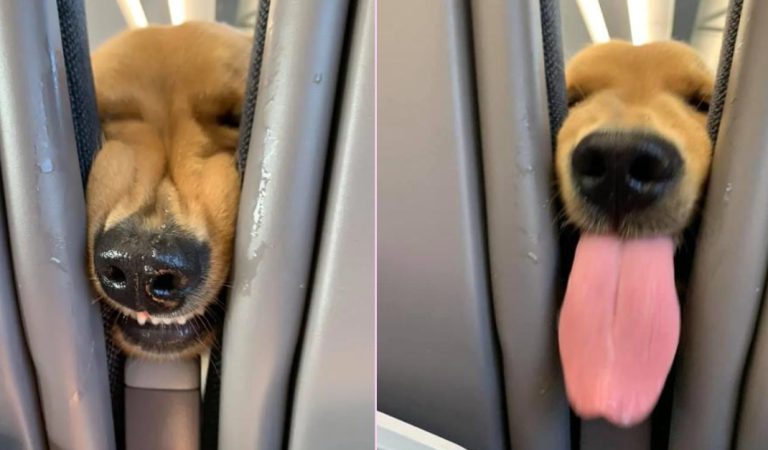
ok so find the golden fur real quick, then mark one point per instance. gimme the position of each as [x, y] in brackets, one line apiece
[169, 100]
[654, 88]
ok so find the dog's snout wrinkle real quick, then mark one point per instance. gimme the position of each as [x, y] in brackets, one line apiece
[149, 271]
[621, 172]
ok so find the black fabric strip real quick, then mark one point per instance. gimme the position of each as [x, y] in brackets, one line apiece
[82, 96]
[724, 67]
[252, 88]
[85, 118]
[209, 426]
[557, 104]
[554, 65]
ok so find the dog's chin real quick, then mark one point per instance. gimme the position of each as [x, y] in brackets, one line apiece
[166, 341]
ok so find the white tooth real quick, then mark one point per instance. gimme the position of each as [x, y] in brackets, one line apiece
[155, 320]
[181, 320]
[141, 318]
[167, 321]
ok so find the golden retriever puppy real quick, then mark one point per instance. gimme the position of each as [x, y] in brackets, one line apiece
[163, 191]
[631, 160]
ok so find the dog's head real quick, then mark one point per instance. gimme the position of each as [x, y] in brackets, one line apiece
[632, 157]
[163, 191]
[634, 152]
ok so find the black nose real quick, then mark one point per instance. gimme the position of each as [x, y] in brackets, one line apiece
[149, 271]
[622, 172]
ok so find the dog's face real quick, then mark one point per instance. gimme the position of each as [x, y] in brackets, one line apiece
[163, 191]
[634, 152]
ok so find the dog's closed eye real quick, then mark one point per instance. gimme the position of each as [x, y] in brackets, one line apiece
[228, 119]
[698, 102]
[220, 118]
[220, 109]
[576, 96]
[119, 109]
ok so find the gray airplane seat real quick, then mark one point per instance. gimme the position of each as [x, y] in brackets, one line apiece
[300, 305]
[470, 263]
[466, 298]
[56, 385]
[303, 270]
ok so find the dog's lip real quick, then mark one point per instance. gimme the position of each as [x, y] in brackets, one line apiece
[167, 335]
[142, 317]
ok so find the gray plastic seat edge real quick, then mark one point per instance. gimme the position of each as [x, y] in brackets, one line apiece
[437, 359]
[517, 161]
[730, 267]
[46, 224]
[334, 402]
[751, 430]
[21, 424]
[748, 74]
[277, 221]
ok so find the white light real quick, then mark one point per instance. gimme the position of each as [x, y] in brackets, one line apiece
[178, 10]
[133, 13]
[593, 18]
[187, 10]
[639, 21]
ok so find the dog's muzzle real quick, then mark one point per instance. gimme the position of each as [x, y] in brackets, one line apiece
[618, 172]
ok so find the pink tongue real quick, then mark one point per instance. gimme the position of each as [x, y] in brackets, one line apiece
[619, 327]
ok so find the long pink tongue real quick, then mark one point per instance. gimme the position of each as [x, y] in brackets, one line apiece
[619, 327]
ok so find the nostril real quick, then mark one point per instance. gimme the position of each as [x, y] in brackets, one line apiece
[114, 277]
[167, 285]
[647, 168]
[589, 166]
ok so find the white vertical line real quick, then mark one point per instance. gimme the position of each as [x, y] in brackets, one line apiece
[639, 21]
[133, 13]
[178, 10]
[594, 20]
